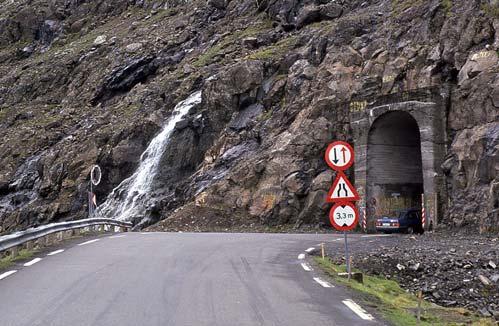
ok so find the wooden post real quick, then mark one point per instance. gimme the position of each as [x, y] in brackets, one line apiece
[47, 240]
[420, 298]
[14, 251]
[322, 251]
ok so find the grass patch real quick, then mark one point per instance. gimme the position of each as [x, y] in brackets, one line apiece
[266, 115]
[447, 5]
[491, 10]
[399, 6]
[3, 113]
[396, 305]
[274, 51]
[22, 255]
[230, 40]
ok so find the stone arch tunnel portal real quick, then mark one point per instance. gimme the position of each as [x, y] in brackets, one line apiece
[399, 142]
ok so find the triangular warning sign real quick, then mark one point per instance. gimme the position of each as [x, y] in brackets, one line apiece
[342, 189]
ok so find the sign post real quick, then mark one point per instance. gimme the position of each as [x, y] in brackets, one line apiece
[347, 256]
[343, 216]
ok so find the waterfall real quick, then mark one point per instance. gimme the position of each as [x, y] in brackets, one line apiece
[128, 200]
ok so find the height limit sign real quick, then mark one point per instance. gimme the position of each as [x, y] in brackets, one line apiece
[343, 216]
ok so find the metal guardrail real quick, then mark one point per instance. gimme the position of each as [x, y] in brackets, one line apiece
[19, 238]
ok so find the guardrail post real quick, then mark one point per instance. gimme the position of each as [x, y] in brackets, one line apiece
[39, 242]
[47, 240]
[14, 251]
[29, 245]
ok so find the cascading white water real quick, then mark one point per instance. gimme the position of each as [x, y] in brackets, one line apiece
[136, 188]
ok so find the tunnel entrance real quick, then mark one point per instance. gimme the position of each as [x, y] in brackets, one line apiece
[394, 164]
[400, 144]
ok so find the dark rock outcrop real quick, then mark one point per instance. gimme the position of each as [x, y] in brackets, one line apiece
[86, 83]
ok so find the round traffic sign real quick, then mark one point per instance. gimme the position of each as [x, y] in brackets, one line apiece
[95, 175]
[339, 155]
[344, 216]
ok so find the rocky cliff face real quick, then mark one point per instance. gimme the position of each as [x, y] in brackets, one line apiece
[85, 83]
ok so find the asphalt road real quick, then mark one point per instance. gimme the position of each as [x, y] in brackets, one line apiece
[178, 279]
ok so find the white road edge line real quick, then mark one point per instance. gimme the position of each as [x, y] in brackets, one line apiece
[357, 309]
[6, 274]
[323, 283]
[375, 235]
[88, 242]
[55, 252]
[306, 267]
[32, 262]
[309, 250]
[116, 236]
[301, 256]
[146, 233]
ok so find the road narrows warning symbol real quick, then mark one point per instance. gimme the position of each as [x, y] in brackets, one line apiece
[342, 189]
[344, 216]
[339, 155]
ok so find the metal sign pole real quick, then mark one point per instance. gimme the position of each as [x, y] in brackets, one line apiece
[90, 205]
[347, 256]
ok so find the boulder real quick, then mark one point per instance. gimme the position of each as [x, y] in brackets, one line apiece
[308, 15]
[99, 40]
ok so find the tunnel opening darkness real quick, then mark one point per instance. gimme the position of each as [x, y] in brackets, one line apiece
[394, 164]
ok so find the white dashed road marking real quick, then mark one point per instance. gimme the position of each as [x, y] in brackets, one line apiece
[357, 309]
[6, 274]
[55, 252]
[301, 256]
[32, 262]
[309, 250]
[306, 267]
[375, 235]
[116, 236]
[88, 242]
[323, 283]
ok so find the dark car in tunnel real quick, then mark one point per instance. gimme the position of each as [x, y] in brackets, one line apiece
[406, 220]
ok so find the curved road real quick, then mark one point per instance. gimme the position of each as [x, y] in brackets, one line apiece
[178, 279]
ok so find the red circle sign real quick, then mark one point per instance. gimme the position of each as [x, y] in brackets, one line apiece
[339, 155]
[344, 216]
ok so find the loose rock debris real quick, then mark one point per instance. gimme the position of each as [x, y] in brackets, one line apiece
[451, 270]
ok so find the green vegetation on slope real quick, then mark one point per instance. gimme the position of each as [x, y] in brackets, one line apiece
[398, 306]
[22, 255]
[274, 51]
[491, 10]
[232, 39]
